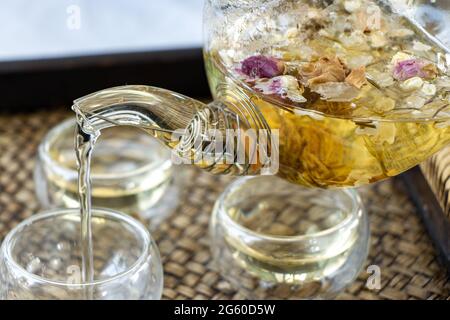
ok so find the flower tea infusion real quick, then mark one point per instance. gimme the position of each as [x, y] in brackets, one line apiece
[358, 92]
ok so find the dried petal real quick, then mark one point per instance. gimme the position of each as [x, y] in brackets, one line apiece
[262, 67]
[309, 113]
[360, 59]
[352, 5]
[357, 77]
[420, 46]
[367, 19]
[429, 71]
[336, 91]
[411, 84]
[382, 132]
[384, 104]
[400, 56]
[283, 87]
[443, 82]
[326, 69]
[356, 40]
[429, 89]
[401, 33]
[382, 79]
[378, 39]
[407, 69]
[360, 177]
[415, 101]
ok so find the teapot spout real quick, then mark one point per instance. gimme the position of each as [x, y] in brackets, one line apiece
[211, 136]
[140, 106]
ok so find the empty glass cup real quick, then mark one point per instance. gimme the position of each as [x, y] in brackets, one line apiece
[275, 240]
[40, 258]
[131, 172]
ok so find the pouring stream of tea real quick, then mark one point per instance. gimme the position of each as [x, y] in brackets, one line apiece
[84, 145]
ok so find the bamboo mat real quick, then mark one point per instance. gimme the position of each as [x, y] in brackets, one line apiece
[399, 243]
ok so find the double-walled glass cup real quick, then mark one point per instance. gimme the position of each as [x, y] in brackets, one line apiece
[131, 172]
[41, 259]
[275, 240]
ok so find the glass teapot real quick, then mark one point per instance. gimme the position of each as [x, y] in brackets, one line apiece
[323, 93]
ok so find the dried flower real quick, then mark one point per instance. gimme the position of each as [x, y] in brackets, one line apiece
[382, 79]
[401, 33]
[400, 56]
[407, 69]
[383, 105]
[262, 67]
[429, 89]
[368, 18]
[357, 77]
[378, 39]
[359, 59]
[309, 113]
[352, 5]
[420, 46]
[429, 71]
[415, 101]
[411, 84]
[283, 87]
[326, 69]
[356, 40]
[360, 177]
[336, 91]
[443, 82]
[380, 133]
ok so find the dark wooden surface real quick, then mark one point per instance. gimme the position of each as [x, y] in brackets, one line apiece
[29, 85]
[433, 217]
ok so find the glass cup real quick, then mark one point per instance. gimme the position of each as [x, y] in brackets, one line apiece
[275, 240]
[131, 172]
[41, 258]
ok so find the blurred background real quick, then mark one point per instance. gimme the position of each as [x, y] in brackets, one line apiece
[57, 50]
[59, 28]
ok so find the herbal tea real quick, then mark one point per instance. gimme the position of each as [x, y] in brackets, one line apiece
[125, 176]
[357, 92]
[267, 215]
[272, 239]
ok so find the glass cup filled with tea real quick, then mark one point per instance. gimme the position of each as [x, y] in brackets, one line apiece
[131, 173]
[274, 240]
[41, 259]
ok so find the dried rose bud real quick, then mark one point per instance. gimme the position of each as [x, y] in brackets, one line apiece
[411, 68]
[262, 67]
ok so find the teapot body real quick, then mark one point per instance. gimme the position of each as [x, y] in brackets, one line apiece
[333, 132]
[328, 93]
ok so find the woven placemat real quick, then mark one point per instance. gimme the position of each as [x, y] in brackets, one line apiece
[399, 243]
